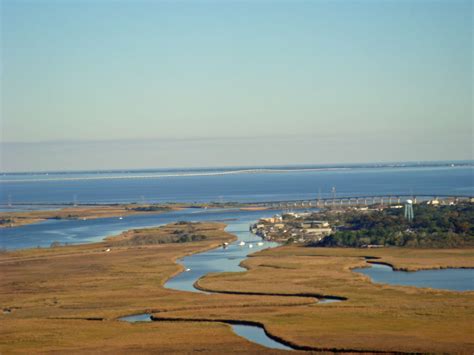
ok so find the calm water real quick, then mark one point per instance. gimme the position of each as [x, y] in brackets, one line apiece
[78, 231]
[257, 335]
[220, 259]
[223, 260]
[145, 317]
[116, 187]
[250, 332]
[445, 279]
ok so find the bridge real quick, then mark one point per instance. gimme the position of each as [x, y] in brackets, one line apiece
[363, 200]
[353, 200]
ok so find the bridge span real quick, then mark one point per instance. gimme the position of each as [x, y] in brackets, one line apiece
[364, 200]
[350, 200]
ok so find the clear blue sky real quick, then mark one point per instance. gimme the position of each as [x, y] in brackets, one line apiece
[131, 84]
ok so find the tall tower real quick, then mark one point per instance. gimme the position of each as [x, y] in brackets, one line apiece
[409, 210]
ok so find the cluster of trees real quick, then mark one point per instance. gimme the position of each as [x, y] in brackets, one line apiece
[432, 227]
[151, 239]
[6, 220]
[151, 236]
[151, 208]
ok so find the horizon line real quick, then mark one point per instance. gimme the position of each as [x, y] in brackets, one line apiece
[303, 166]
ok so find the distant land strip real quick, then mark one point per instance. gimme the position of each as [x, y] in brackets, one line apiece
[167, 173]
[159, 176]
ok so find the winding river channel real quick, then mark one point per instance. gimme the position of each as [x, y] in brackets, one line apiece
[216, 260]
[223, 260]
[229, 259]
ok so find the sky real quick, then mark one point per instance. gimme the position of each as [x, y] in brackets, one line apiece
[104, 84]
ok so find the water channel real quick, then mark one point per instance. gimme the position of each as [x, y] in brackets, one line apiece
[217, 260]
[222, 260]
[444, 279]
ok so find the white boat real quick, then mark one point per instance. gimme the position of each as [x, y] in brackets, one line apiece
[242, 243]
[260, 244]
[188, 270]
[120, 217]
[250, 245]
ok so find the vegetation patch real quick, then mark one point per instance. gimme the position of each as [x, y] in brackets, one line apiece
[151, 208]
[175, 233]
[433, 227]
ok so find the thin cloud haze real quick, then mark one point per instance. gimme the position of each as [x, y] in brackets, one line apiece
[307, 82]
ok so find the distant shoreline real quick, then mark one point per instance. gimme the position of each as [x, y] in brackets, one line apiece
[173, 172]
[158, 176]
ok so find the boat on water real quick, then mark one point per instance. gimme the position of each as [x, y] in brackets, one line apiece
[250, 245]
[242, 243]
[260, 244]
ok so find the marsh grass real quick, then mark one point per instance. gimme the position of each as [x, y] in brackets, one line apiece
[52, 291]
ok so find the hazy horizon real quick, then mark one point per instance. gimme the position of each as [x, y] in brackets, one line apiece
[151, 84]
[118, 154]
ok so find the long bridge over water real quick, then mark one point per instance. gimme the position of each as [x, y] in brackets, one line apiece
[364, 200]
[349, 200]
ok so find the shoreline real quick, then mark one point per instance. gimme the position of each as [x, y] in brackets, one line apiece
[22, 218]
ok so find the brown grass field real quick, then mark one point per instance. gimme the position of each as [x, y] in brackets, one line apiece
[53, 292]
[87, 212]
[91, 212]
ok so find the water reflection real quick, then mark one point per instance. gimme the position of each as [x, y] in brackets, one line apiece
[258, 335]
[444, 279]
[219, 259]
[137, 318]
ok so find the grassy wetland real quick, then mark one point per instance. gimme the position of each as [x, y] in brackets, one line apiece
[69, 298]
[15, 219]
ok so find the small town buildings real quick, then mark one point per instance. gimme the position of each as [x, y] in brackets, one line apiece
[291, 225]
[318, 231]
[315, 224]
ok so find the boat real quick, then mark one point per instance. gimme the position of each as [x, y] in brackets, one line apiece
[250, 245]
[242, 243]
[188, 270]
[260, 244]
